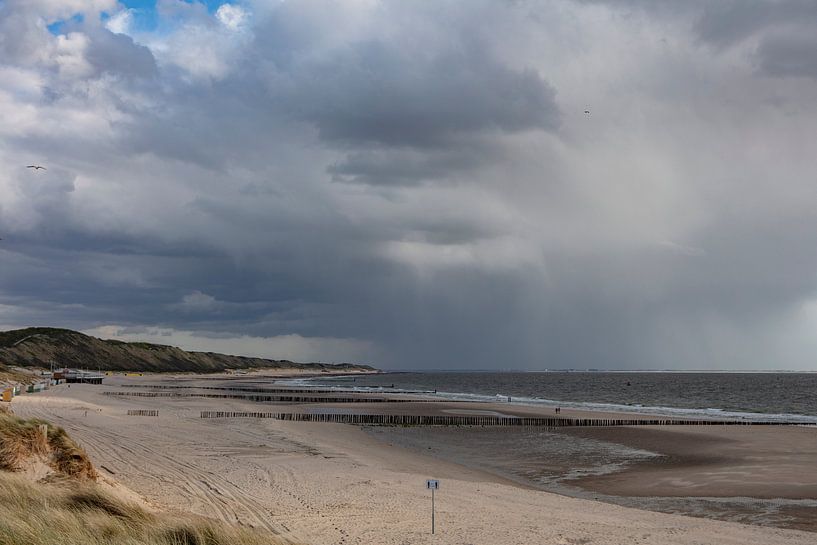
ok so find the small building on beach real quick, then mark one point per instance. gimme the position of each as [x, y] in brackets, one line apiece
[76, 376]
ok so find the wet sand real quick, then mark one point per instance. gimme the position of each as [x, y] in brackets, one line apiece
[727, 473]
[733, 465]
[757, 462]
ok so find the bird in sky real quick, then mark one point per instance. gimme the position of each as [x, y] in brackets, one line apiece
[36, 167]
[587, 112]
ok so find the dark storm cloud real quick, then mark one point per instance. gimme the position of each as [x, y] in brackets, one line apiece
[395, 96]
[401, 167]
[403, 112]
[416, 184]
[118, 54]
[788, 55]
[728, 22]
[781, 32]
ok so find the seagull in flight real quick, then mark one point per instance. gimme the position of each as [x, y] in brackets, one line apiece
[587, 112]
[36, 167]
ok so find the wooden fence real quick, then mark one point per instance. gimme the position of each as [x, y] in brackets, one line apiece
[143, 412]
[418, 420]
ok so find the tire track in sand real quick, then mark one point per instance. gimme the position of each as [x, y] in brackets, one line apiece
[143, 454]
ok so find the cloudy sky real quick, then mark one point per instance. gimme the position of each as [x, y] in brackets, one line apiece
[416, 184]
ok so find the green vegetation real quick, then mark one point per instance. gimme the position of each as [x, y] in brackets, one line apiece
[23, 441]
[9, 338]
[71, 509]
[39, 346]
[67, 514]
[10, 375]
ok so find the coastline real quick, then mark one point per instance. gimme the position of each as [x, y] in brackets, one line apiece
[758, 474]
[444, 386]
[332, 483]
[764, 476]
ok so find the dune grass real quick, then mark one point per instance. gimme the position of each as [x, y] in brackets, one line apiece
[69, 514]
[22, 440]
[71, 509]
[9, 375]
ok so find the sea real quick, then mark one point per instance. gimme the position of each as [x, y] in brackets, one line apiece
[553, 459]
[767, 396]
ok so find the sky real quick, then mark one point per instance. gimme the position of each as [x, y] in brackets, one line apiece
[416, 185]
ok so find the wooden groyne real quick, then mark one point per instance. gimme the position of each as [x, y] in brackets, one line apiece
[273, 398]
[143, 412]
[276, 390]
[419, 420]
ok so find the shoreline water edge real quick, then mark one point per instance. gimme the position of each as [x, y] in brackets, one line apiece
[596, 463]
[319, 482]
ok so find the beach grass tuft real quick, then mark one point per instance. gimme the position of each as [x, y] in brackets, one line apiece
[70, 508]
[67, 513]
[25, 440]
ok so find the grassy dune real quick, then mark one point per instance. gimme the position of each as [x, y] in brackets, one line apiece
[22, 442]
[67, 514]
[8, 375]
[71, 509]
[38, 346]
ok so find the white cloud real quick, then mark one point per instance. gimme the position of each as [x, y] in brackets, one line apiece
[493, 255]
[120, 22]
[205, 47]
[682, 249]
[198, 302]
[70, 56]
[231, 16]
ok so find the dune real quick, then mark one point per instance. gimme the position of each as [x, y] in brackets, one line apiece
[51, 494]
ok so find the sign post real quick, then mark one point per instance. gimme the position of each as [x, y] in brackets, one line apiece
[433, 485]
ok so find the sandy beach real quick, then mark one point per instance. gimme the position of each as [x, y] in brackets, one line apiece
[320, 483]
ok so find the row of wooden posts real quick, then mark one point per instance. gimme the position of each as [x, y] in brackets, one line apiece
[143, 412]
[420, 420]
[276, 398]
[270, 390]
